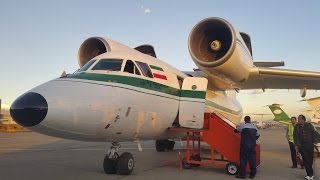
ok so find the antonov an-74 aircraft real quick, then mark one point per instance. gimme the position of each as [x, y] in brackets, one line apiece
[124, 94]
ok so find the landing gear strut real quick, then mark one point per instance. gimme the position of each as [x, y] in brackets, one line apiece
[162, 145]
[113, 163]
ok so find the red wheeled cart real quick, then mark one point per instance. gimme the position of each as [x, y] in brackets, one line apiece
[222, 140]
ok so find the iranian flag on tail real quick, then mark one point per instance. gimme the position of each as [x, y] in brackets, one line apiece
[158, 72]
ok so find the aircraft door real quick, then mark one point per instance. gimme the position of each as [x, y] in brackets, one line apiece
[192, 102]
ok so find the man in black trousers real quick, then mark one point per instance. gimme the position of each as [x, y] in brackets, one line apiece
[249, 135]
[303, 136]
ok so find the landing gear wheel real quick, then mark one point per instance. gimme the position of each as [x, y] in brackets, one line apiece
[232, 168]
[109, 165]
[185, 164]
[170, 145]
[196, 158]
[160, 145]
[125, 164]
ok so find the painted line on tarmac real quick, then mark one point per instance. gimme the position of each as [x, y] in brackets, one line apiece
[270, 148]
[10, 149]
[84, 149]
[77, 149]
[127, 148]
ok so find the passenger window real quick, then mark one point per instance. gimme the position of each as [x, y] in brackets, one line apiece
[131, 68]
[86, 66]
[108, 65]
[145, 69]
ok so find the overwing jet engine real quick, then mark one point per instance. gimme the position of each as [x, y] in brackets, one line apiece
[95, 46]
[218, 48]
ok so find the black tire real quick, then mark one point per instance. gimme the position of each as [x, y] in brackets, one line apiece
[109, 165]
[170, 145]
[186, 165]
[160, 145]
[232, 168]
[125, 164]
[196, 158]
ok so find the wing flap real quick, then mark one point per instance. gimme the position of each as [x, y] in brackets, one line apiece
[269, 64]
[272, 78]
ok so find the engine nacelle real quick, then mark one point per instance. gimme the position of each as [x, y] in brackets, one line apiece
[95, 46]
[218, 49]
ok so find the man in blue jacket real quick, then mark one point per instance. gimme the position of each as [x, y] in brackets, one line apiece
[249, 135]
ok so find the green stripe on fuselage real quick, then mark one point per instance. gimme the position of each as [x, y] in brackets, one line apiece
[138, 82]
[193, 94]
[150, 85]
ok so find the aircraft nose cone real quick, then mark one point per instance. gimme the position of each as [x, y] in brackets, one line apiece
[29, 109]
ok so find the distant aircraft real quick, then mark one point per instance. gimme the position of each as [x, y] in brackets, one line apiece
[4, 113]
[282, 116]
[124, 94]
[259, 123]
[314, 112]
[279, 114]
[3, 118]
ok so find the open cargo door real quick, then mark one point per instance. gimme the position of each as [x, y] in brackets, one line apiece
[192, 102]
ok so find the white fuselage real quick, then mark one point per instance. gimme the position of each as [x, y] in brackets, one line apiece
[119, 106]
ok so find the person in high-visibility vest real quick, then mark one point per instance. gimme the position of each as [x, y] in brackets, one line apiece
[290, 130]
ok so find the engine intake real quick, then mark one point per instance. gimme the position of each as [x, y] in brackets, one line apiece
[91, 48]
[95, 46]
[211, 42]
[219, 50]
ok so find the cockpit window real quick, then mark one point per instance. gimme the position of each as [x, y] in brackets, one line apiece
[108, 65]
[130, 67]
[86, 66]
[145, 69]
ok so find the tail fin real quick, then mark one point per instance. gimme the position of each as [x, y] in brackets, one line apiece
[279, 114]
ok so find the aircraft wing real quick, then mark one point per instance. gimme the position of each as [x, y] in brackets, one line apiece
[273, 78]
[224, 56]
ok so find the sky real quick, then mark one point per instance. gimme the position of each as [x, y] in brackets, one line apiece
[39, 39]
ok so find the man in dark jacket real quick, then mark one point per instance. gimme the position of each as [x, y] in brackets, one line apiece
[303, 137]
[249, 135]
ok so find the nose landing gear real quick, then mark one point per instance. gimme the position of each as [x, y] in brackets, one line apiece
[113, 163]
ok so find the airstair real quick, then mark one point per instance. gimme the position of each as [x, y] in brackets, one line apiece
[224, 144]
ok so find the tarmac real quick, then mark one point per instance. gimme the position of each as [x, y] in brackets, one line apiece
[28, 155]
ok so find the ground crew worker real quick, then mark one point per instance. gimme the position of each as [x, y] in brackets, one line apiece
[249, 135]
[289, 135]
[303, 137]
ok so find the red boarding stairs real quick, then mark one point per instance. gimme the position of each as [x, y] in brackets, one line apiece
[221, 138]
